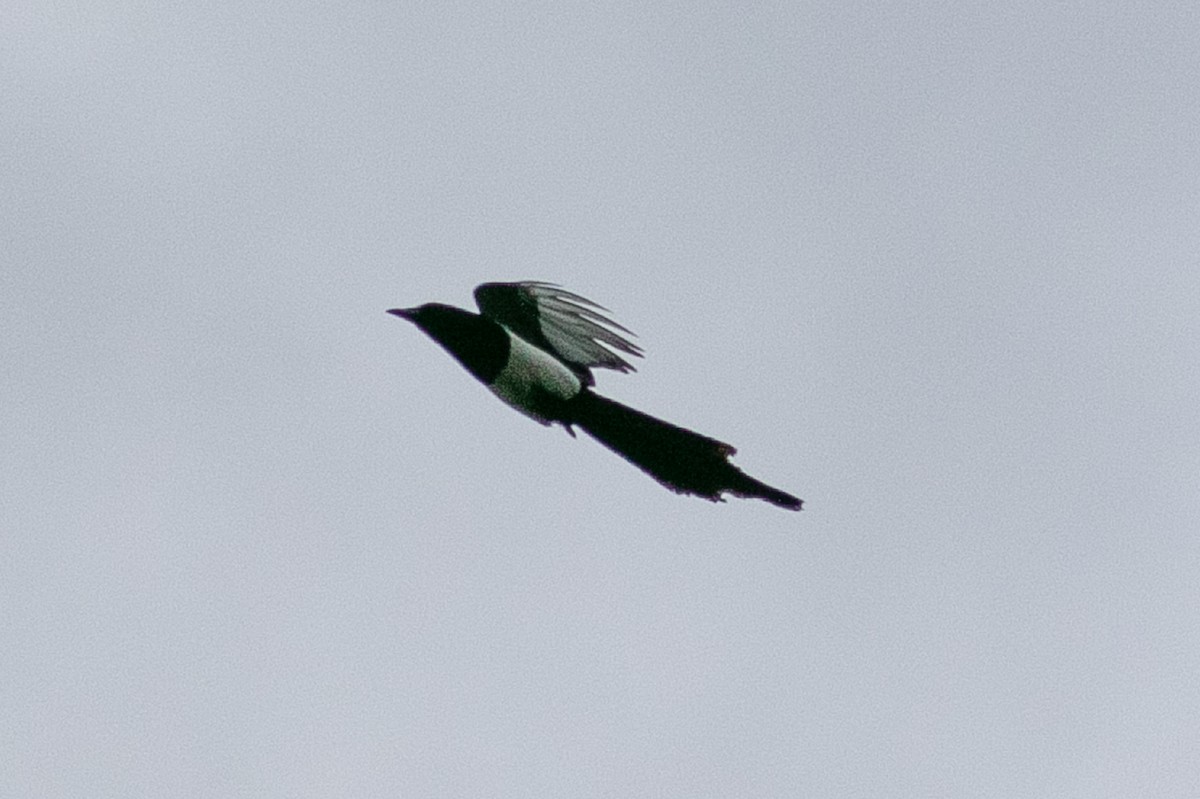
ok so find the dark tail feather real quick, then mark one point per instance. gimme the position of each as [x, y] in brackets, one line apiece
[683, 461]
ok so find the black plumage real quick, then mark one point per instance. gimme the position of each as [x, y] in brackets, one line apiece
[534, 345]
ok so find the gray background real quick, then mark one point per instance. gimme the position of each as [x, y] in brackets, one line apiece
[932, 267]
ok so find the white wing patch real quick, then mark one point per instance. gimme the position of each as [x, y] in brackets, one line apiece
[577, 331]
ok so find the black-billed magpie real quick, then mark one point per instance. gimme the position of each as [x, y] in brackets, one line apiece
[534, 345]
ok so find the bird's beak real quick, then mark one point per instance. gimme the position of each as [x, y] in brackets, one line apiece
[403, 313]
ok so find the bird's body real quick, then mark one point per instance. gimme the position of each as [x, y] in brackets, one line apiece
[534, 382]
[534, 346]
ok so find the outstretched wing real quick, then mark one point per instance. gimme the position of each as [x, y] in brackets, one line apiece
[559, 322]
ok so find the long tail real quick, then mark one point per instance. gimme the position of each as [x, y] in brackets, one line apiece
[683, 461]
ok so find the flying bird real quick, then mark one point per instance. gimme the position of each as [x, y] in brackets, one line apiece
[534, 345]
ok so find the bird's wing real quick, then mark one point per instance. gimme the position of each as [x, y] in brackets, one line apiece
[559, 322]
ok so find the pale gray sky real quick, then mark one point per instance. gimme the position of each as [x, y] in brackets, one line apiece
[931, 267]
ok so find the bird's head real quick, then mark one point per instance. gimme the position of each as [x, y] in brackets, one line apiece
[476, 342]
[433, 316]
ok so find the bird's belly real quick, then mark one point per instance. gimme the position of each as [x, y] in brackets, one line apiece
[534, 382]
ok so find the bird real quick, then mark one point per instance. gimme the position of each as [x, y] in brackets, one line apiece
[535, 344]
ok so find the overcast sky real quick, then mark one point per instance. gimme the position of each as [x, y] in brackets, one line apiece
[930, 266]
